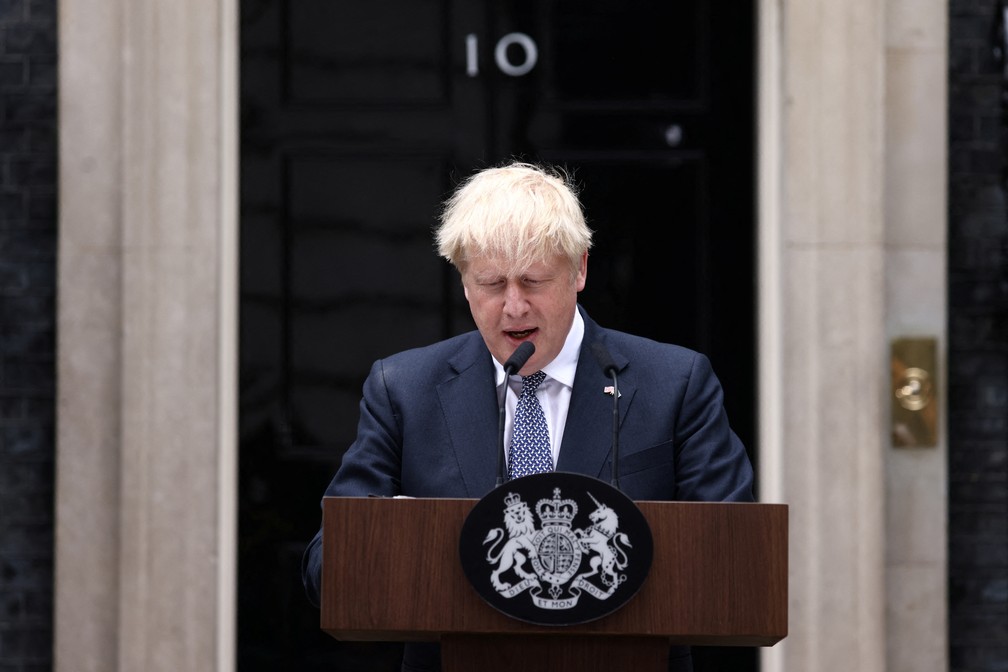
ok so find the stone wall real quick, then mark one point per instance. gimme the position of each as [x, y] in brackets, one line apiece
[27, 330]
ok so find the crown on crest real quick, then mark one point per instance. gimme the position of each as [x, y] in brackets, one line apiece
[511, 499]
[556, 511]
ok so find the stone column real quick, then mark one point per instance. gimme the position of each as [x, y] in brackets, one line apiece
[852, 255]
[823, 350]
[146, 469]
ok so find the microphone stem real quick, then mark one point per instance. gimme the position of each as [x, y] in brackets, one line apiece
[500, 441]
[615, 432]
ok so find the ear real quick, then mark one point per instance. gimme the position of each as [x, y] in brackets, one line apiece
[582, 273]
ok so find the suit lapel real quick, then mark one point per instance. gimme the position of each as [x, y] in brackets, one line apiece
[587, 441]
[469, 405]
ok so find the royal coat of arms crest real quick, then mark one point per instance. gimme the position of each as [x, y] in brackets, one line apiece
[552, 553]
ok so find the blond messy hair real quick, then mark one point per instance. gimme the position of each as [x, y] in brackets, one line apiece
[520, 213]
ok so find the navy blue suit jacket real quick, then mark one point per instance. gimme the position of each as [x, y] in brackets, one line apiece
[428, 427]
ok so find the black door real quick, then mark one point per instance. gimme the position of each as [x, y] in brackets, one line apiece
[358, 119]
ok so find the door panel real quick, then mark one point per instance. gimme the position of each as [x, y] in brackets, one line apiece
[357, 121]
[380, 52]
[345, 307]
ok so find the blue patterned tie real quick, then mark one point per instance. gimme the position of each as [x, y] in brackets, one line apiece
[530, 445]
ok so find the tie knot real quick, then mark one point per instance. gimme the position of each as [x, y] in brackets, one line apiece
[531, 383]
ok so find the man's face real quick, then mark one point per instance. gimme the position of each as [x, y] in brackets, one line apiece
[537, 305]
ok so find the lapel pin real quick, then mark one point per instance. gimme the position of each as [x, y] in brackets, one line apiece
[610, 390]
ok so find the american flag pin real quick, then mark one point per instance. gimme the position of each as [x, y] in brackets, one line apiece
[610, 390]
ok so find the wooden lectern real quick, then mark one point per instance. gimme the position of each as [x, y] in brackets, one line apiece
[391, 572]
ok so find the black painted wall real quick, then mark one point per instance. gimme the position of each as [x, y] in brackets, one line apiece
[978, 340]
[27, 330]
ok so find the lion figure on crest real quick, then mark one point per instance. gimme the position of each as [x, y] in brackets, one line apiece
[606, 543]
[520, 530]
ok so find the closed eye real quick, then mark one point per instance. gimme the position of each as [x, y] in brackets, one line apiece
[535, 282]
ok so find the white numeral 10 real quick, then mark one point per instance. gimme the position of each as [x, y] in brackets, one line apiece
[527, 44]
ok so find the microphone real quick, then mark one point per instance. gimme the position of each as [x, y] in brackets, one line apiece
[514, 364]
[609, 367]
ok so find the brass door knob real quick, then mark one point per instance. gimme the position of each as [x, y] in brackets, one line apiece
[913, 389]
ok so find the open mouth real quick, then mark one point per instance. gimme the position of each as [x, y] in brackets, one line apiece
[520, 334]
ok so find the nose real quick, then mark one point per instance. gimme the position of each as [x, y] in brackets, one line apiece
[515, 302]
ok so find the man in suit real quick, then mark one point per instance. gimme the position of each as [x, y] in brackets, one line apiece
[428, 417]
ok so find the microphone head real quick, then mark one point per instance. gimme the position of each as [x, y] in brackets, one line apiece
[518, 358]
[605, 360]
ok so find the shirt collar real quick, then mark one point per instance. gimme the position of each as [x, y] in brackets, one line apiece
[564, 365]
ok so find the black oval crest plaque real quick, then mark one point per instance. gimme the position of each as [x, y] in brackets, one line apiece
[556, 548]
